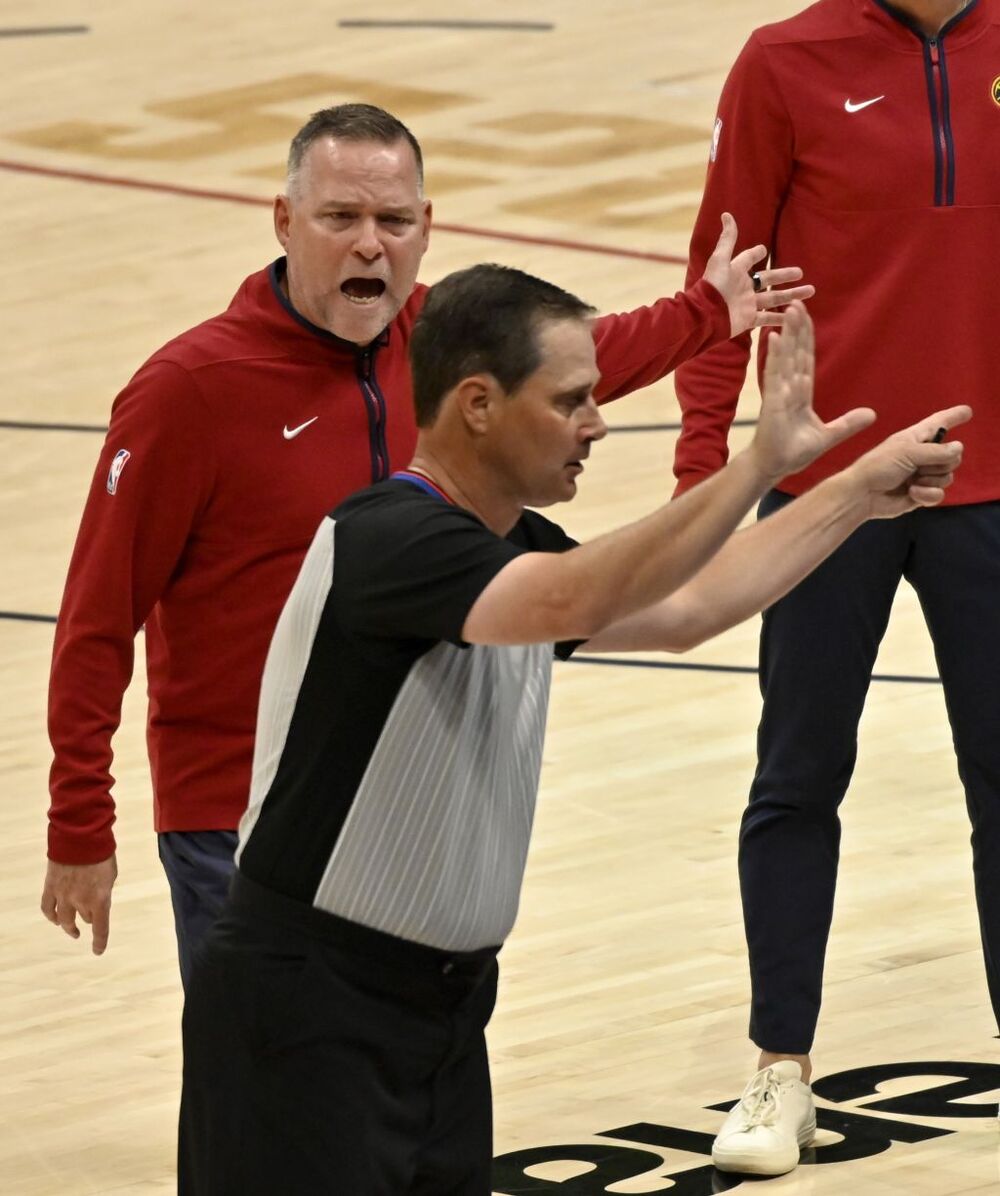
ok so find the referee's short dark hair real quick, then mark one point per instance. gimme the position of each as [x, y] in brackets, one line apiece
[351, 122]
[483, 320]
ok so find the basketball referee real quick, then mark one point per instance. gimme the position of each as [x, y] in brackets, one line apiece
[334, 1024]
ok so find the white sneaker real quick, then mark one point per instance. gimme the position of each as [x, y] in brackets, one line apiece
[775, 1117]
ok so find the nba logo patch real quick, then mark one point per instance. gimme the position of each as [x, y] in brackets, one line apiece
[115, 472]
[716, 134]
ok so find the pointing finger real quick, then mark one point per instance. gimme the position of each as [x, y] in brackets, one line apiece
[101, 927]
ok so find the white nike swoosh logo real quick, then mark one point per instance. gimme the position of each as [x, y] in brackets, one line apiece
[291, 433]
[849, 106]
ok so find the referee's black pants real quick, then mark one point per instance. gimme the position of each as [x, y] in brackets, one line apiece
[818, 649]
[325, 1059]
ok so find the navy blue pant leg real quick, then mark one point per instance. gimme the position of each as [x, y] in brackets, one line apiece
[199, 866]
[818, 648]
[956, 572]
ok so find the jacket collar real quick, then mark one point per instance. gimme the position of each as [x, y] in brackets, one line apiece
[893, 25]
[263, 297]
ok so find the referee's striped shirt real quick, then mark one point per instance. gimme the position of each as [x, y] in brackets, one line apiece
[395, 766]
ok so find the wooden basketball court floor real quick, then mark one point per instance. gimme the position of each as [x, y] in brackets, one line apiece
[139, 154]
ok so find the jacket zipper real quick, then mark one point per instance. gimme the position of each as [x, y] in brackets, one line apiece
[939, 95]
[375, 406]
[944, 146]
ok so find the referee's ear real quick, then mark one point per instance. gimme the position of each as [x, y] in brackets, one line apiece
[477, 399]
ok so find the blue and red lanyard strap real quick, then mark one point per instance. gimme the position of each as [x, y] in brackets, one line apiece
[422, 483]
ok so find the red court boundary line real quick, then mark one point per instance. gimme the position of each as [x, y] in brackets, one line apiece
[108, 180]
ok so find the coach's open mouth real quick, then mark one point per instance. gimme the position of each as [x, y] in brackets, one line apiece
[363, 290]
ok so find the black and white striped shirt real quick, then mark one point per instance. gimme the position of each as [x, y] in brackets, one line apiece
[396, 767]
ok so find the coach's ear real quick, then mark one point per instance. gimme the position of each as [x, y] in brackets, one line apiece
[282, 217]
[477, 399]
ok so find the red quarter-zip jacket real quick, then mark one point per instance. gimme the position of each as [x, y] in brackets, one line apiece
[853, 146]
[224, 453]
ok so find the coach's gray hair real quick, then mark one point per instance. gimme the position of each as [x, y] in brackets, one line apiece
[351, 122]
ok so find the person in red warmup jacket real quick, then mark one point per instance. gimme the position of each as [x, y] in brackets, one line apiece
[224, 453]
[858, 139]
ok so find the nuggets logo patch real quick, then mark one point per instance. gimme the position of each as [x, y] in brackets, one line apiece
[115, 472]
[716, 134]
[995, 91]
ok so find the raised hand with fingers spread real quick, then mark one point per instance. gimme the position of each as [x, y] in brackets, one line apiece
[750, 305]
[789, 432]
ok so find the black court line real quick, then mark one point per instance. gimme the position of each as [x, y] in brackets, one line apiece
[44, 30]
[506, 26]
[23, 617]
[691, 666]
[614, 661]
[20, 425]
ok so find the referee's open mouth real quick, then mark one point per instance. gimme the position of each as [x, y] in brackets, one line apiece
[363, 290]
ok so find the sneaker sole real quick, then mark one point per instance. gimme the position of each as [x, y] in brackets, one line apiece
[753, 1164]
[745, 1164]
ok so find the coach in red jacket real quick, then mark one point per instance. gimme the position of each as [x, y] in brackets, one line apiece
[224, 452]
[860, 140]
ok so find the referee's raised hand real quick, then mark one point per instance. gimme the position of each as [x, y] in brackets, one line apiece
[789, 433]
[912, 468]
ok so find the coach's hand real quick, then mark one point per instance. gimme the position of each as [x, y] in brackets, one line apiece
[731, 277]
[83, 889]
